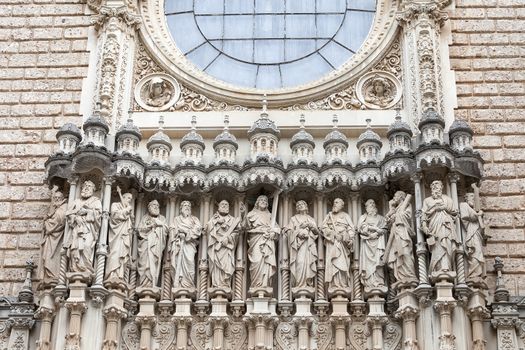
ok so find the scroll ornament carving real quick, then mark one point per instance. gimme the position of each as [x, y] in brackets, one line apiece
[323, 334]
[4, 334]
[164, 334]
[285, 336]
[359, 335]
[200, 335]
[131, 336]
[392, 336]
[236, 336]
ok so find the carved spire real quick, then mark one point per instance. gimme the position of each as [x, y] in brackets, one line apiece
[159, 145]
[369, 144]
[302, 144]
[192, 144]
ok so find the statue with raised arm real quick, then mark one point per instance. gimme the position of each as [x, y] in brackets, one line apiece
[338, 233]
[302, 235]
[153, 230]
[399, 255]
[474, 235]
[438, 223]
[223, 231]
[120, 234]
[84, 219]
[53, 236]
[184, 236]
[262, 232]
[372, 229]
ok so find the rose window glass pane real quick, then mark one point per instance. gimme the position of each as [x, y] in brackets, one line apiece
[269, 44]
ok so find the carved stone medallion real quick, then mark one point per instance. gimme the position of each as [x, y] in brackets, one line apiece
[379, 90]
[157, 92]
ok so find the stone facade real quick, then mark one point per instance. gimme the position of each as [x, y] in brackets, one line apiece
[45, 47]
[485, 54]
[44, 58]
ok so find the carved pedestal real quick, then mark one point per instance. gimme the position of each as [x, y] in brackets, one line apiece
[46, 313]
[444, 305]
[340, 318]
[376, 317]
[408, 312]
[477, 313]
[114, 312]
[146, 316]
[77, 305]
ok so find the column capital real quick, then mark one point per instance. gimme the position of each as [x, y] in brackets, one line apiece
[416, 11]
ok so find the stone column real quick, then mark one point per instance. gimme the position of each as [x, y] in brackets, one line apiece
[113, 313]
[285, 298]
[98, 292]
[116, 23]
[21, 316]
[202, 303]
[444, 305]
[146, 316]
[408, 312]
[165, 304]
[139, 211]
[461, 286]
[424, 288]
[61, 289]
[146, 324]
[321, 304]
[46, 314]
[357, 305]
[477, 312]
[422, 22]
[237, 303]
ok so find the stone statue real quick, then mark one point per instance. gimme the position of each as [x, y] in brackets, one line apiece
[473, 231]
[302, 234]
[53, 235]
[379, 92]
[184, 236]
[84, 218]
[399, 255]
[153, 230]
[223, 231]
[159, 92]
[120, 234]
[372, 229]
[438, 223]
[262, 232]
[338, 232]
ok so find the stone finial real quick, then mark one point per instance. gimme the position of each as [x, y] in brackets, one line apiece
[501, 293]
[26, 293]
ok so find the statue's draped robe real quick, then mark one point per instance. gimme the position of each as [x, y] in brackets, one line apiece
[53, 237]
[441, 231]
[338, 231]
[261, 250]
[473, 242]
[84, 232]
[152, 232]
[400, 257]
[120, 233]
[222, 239]
[372, 250]
[303, 250]
[184, 249]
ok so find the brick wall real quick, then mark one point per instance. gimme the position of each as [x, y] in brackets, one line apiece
[43, 45]
[488, 56]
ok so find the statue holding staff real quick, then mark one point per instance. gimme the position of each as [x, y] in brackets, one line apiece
[120, 234]
[474, 236]
[53, 236]
[399, 255]
[372, 229]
